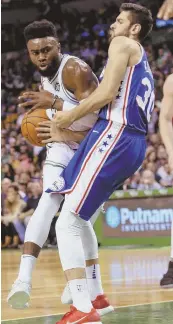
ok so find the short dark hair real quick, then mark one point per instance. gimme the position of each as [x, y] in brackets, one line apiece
[40, 29]
[140, 15]
[15, 187]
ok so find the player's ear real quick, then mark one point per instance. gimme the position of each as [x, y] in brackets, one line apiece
[135, 29]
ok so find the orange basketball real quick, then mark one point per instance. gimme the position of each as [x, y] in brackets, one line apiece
[30, 122]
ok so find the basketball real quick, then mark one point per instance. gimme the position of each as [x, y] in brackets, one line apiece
[30, 122]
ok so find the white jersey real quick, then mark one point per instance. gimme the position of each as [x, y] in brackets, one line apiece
[56, 86]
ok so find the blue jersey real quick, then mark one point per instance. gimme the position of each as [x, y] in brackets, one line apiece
[134, 102]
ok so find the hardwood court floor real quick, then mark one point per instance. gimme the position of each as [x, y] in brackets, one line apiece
[130, 279]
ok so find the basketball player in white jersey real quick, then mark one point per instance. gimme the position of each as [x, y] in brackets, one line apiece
[67, 80]
[166, 131]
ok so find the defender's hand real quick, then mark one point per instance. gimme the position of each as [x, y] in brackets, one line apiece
[49, 132]
[64, 118]
[41, 99]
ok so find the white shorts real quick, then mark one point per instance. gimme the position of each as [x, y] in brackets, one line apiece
[58, 157]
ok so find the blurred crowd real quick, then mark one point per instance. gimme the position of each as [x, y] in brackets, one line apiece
[84, 36]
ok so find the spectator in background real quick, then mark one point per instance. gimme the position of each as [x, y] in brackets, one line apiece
[13, 205]
[135, 180]
[148, 181]
[6, 182]
[8, 235]
[166, 176]
[32, 202]
[8, 171]
[23, 180]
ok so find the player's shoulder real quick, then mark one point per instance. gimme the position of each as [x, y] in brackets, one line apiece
[75, 65]
[123, 43]
[76, 69]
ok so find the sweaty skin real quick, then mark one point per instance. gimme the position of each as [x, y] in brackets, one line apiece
[127, 53]
[77, 77]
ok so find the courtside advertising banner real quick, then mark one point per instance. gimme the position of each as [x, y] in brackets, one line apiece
[141, 217]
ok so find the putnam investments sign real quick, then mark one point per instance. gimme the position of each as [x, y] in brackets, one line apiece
[140, 217]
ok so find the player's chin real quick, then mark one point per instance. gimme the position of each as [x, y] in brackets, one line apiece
[111, 37]
[45, 71]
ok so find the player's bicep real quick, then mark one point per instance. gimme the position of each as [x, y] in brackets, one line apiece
[86, 82]
[80, 79]
[115, 69]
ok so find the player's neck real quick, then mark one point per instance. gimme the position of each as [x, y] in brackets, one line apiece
[135, 39]
[57, 68]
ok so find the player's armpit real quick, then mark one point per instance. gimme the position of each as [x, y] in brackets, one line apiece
[79, 78]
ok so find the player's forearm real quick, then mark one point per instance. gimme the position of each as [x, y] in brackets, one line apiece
[166, 131]
[68, 136]
[96, 101]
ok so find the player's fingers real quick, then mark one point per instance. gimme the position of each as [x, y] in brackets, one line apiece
[40, 135]
[28, 97]
[45, 123]
[49, 140]
[43, 130]
[27, 104]
[29, 93]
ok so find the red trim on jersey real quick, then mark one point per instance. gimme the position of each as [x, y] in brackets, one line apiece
[109, 110]
[125, 98]
[88, 157]
[98, 168]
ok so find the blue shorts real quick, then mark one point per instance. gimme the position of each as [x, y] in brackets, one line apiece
[109, 155]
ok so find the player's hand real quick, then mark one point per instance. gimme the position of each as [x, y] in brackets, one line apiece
[49, 132]
[64, 118]
[166, 10]
[41, 99]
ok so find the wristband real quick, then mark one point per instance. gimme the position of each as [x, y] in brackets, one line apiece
[54, 100]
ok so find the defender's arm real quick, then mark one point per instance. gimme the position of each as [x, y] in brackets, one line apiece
[119, 54]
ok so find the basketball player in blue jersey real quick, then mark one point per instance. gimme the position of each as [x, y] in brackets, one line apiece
[111, 152]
